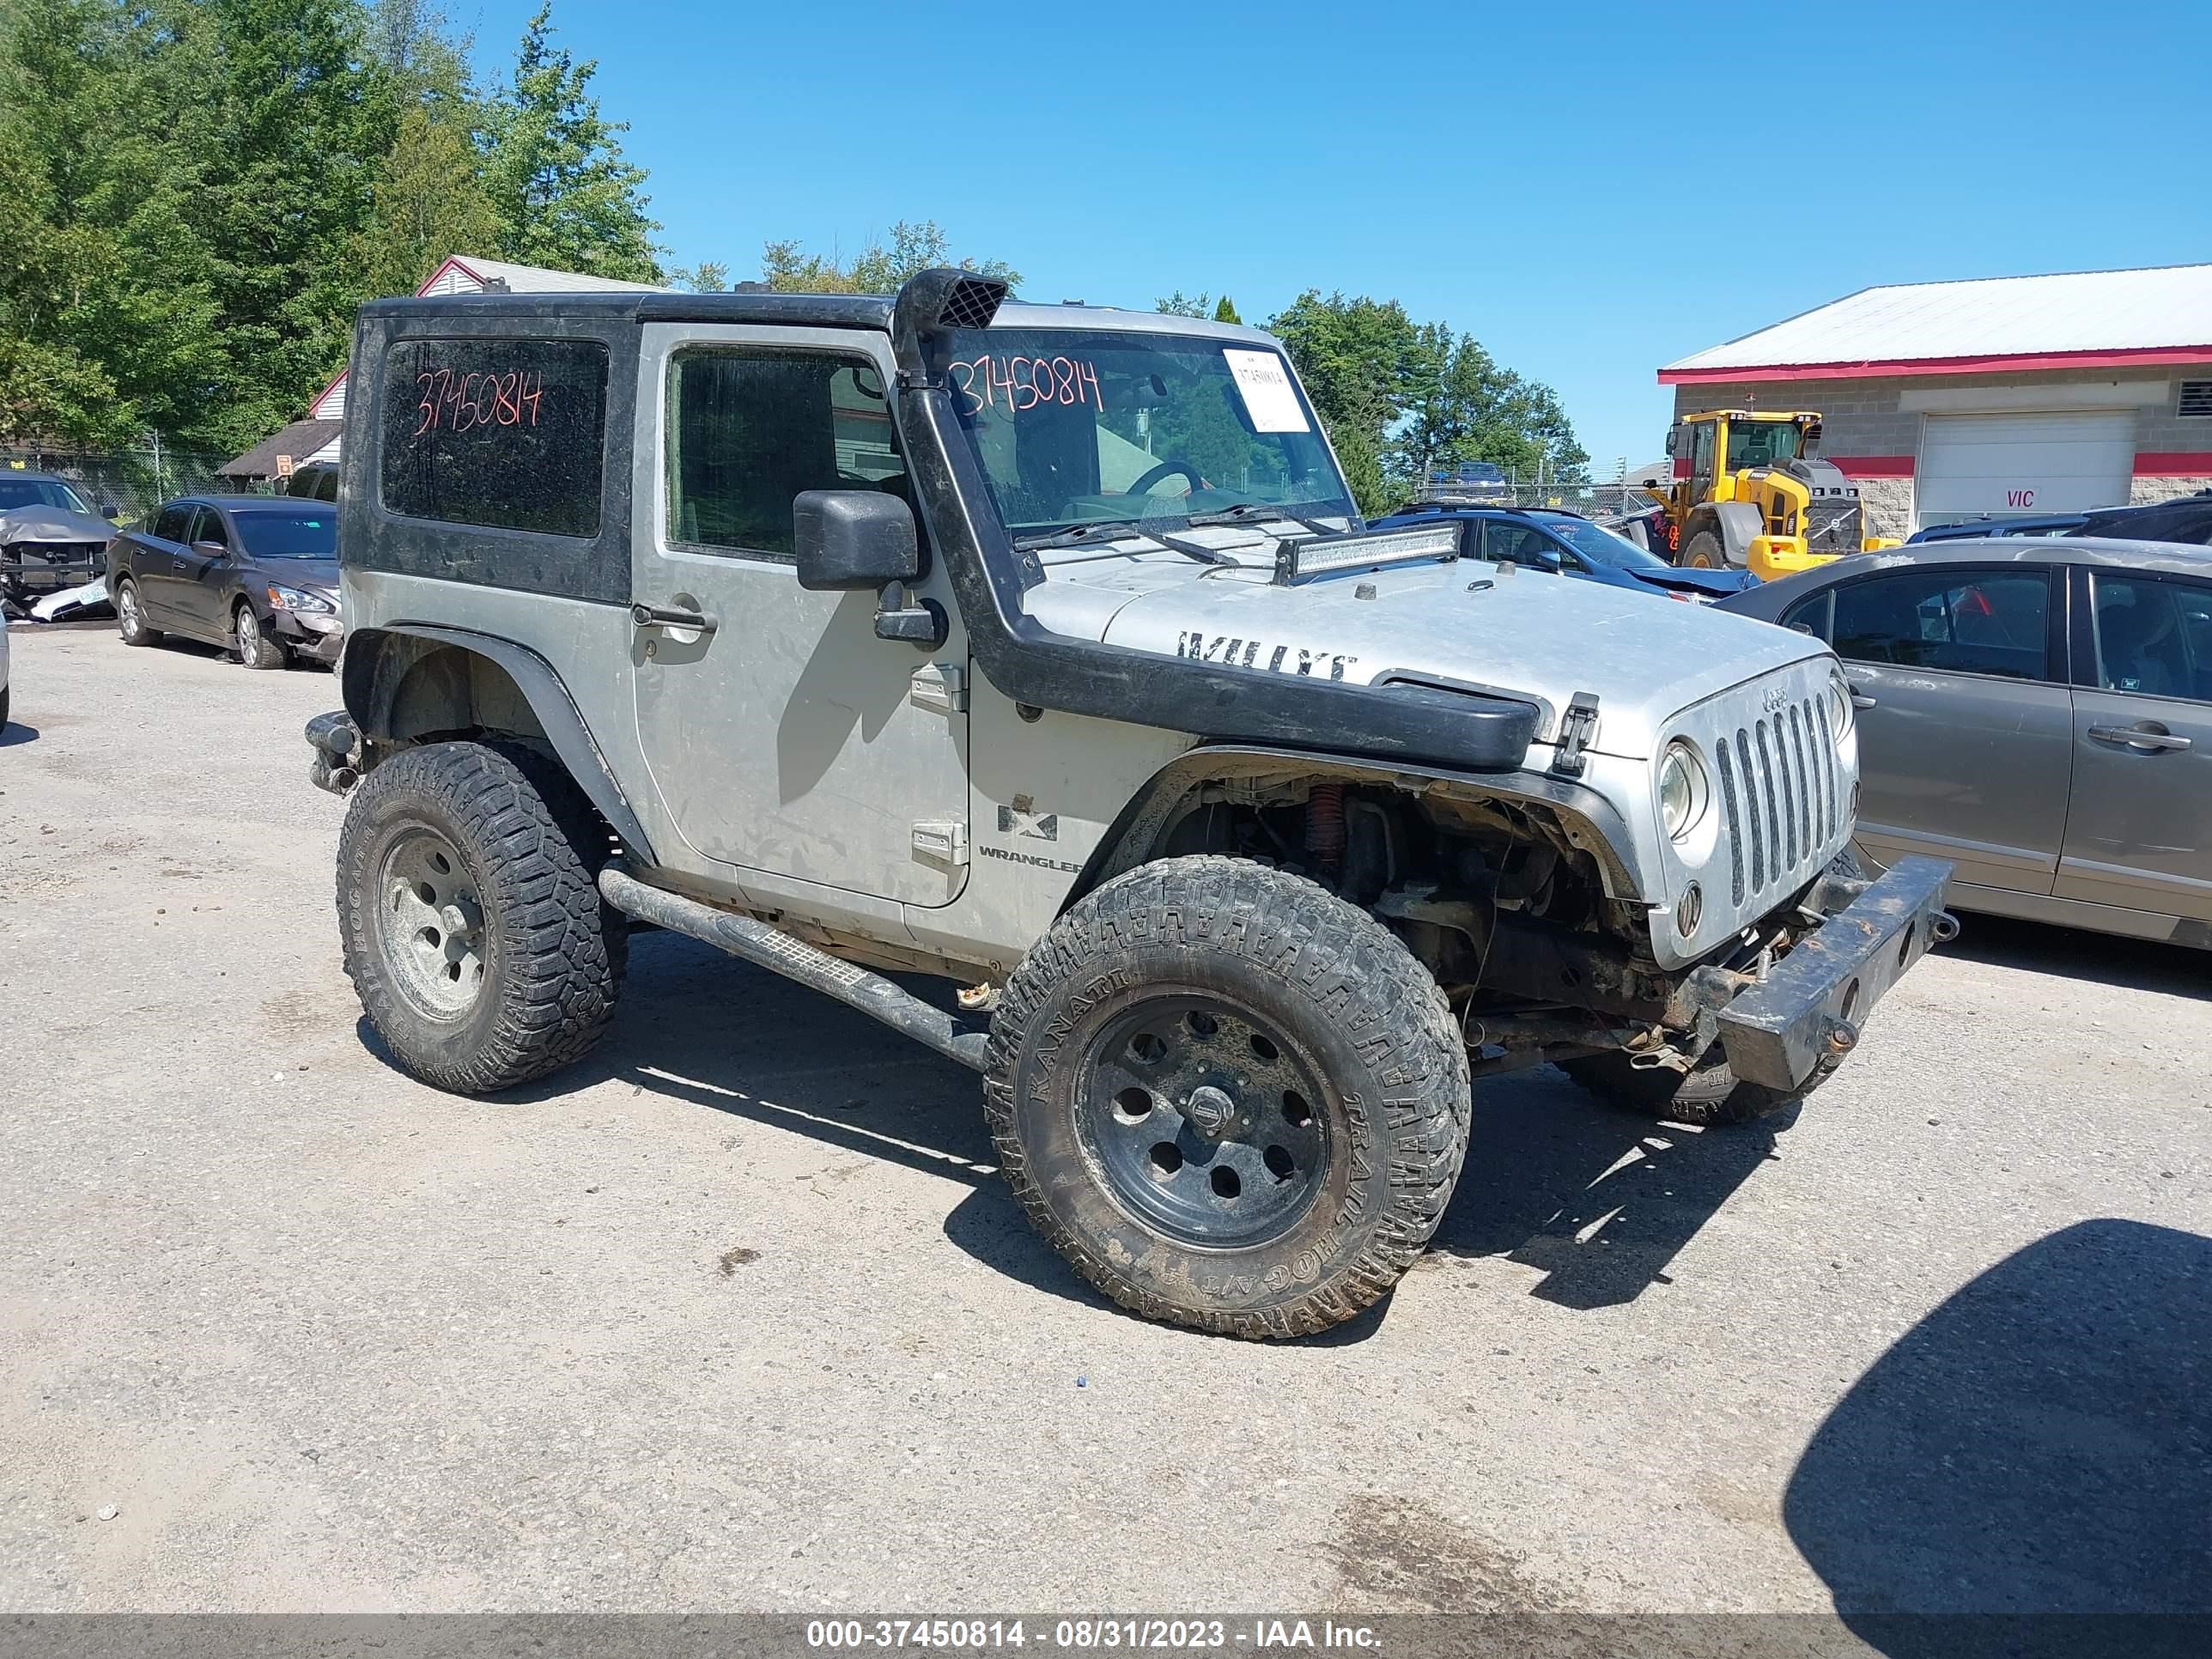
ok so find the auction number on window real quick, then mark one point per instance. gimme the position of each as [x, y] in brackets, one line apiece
[1019, 383]
[461, 401]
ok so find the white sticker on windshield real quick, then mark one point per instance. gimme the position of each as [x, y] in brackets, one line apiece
[1269, 398]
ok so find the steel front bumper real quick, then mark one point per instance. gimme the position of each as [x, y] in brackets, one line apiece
[1806, 1013]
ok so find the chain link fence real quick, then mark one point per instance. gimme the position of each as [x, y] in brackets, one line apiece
[1605, 502]
[122, 485]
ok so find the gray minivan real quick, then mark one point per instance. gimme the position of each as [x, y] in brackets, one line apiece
[2040, 712]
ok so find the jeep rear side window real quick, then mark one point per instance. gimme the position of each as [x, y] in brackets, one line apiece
[507, 433]
[751, 428]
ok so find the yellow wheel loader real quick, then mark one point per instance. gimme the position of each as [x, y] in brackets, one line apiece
[1753, 499]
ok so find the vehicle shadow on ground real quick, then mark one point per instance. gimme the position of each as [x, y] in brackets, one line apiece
[2069, 953]
[1599, 1200]
[2039, 1445]
[15, 732]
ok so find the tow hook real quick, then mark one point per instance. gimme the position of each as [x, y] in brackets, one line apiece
[337, 743]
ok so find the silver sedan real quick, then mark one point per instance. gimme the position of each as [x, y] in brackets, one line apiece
[2038, 712]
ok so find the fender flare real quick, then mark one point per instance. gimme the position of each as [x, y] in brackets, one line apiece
[1147, 813]
[1735, 522]
[369, 700]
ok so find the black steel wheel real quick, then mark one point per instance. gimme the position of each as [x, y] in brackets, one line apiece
[1230, 1099]
[1196, 1115]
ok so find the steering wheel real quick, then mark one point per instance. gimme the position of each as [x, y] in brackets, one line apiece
[1166, 469]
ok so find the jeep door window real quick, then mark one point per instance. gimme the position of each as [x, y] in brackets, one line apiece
[1084, 425]
[506, 434]
[749, 428]
[1995, 622]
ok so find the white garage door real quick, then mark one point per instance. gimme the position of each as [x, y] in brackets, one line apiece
[2012, 466]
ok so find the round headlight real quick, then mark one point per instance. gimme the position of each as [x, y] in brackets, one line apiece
[1839, 706]
[1682, 790]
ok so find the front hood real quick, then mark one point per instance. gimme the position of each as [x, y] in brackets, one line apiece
[1465, 624]
[1714, 583]
[317, 575]
[53, 524]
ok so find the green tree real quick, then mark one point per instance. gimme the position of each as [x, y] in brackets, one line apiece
[1357, 358]
[1179, 304]
[788, 268]
[416, 44]
[429, 202]
[565, 195]
[1226, 312]
[705, 277]
[108, 321]
[1399, 397]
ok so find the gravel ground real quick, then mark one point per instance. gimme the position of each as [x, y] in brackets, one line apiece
[739, 1316]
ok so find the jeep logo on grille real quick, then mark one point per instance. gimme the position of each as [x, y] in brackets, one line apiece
[1776, 699]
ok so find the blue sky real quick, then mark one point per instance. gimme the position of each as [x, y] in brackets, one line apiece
[1591, 190]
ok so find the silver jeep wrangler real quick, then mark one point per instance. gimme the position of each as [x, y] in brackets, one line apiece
[1041, 649]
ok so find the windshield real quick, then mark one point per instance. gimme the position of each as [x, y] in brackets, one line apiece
[1600, 546]
[40, 492]
[1761, 443]
[1079, 425]
[288, 536]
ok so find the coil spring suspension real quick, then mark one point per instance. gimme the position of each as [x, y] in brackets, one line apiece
[1325, 827]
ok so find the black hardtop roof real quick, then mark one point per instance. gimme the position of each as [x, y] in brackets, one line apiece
[791, 310]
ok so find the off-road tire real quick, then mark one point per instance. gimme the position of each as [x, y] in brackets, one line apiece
[1703, 551]
[554, 951]
[134, 612]
[1333, 982]
[253, 642]
[1707, 1095]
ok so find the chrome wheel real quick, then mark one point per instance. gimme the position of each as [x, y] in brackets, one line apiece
[431, 923]
[246, 634]
[1203, 1122]
[127, 611]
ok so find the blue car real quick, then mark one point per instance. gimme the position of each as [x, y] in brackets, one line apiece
[1549, 538]
[2052, 523]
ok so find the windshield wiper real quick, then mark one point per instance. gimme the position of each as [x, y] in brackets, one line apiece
[1077, 535]
[1255, 513]
[1083, 534]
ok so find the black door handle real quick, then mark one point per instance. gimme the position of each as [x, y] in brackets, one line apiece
[663, 616]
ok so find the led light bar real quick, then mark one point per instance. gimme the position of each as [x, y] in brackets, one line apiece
[1329, 555]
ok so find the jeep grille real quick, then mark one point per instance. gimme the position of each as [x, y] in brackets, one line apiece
[1782, 798]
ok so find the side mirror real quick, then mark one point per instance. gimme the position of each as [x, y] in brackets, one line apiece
[846, 540]
[852, 539]
[106, 509]
[211, 550]
[1673, 433]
